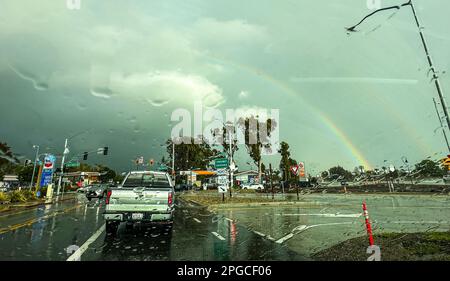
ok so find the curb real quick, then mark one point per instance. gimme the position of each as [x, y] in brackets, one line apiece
[37, 204]
[262, 204]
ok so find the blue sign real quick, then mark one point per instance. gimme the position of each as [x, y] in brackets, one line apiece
[46, 177]
[47, 171]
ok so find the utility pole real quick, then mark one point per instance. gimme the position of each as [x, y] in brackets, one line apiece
[62, 167]
[270, 178]
[34, 166]
[231, 166]
[173, 161]
[442, 126]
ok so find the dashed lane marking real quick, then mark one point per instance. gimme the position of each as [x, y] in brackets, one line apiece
[218, 235]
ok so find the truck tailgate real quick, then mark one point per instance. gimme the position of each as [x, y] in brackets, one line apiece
[139, 199]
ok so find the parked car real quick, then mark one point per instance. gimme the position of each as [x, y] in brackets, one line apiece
[255, 186]
[210, 185]
[183, 187]
[144, 196]
[96, 191]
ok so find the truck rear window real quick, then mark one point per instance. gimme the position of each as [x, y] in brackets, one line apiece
[146, 180]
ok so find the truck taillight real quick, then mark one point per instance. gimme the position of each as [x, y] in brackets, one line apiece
[170, 199]
[108, 195]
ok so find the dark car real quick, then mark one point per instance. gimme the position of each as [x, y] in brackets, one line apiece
[183, 187]
[96, 191]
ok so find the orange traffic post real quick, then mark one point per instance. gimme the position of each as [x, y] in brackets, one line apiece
[368, 226]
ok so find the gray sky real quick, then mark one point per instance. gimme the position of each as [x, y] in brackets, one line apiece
[122, 67]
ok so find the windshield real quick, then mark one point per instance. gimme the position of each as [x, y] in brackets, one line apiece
[292, 130]
[146, 180]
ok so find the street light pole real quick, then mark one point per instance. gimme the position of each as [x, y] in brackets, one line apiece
[62, 167]
[173, 161]
[34, 166]
[425, 47]
[431, 65]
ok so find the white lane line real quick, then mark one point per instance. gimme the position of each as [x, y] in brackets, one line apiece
[218, 235]
[270, 238]
[302, 228]
[197, 220]
[337, 215]
[285, 238]
[78, 253]
[412, 222]
[259, 233]
[264, 235]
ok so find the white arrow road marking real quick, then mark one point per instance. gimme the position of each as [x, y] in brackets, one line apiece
[197, 220]
[264, 235]
[259, 233]
[78, 253]
[302, 228]
[218, 235]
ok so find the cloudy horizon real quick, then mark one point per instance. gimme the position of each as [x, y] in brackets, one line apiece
[122, 68]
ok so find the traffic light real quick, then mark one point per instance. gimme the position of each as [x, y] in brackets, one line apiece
[85, 155]
[105, 150]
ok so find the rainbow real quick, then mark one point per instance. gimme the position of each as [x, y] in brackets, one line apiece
[353, 151]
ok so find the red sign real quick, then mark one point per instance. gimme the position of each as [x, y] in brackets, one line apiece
[294, 170]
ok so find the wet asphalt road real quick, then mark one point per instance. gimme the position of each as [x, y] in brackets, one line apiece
[271, 232]
[48, 232]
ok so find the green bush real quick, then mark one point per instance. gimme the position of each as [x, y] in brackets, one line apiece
[3, 197]
[29, 195]
[17, 196]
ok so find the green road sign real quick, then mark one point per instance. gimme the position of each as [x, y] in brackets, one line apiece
[221, 163]
[72, 164]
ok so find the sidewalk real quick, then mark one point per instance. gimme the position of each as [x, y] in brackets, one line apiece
[14, 207]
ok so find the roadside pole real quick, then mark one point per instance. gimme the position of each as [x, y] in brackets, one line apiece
[270, 178]
[296, 185]
[173, 161]
[231, 166]
[368, 226]
[62, 168]
[34, 166]
[38, 184]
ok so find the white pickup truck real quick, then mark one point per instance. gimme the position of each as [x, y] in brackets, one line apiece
[144, 196]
